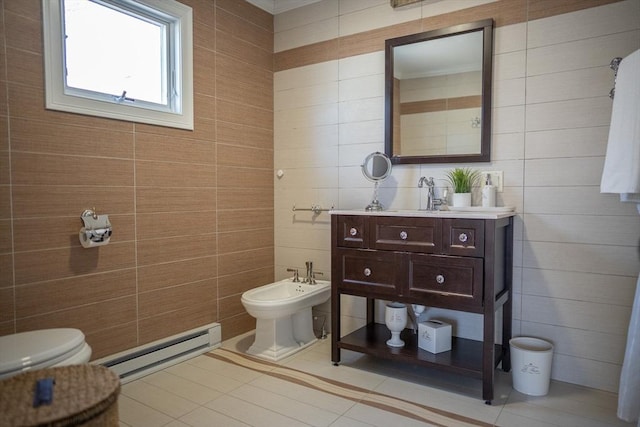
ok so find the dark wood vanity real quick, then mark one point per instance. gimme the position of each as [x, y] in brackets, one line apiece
[461, 262]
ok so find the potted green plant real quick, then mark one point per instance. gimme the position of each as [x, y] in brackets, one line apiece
[462, 180]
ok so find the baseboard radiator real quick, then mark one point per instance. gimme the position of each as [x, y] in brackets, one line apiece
[152, 357]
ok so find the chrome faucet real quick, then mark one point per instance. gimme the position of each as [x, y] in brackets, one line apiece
[432, 202]
[296, 276]
[309, 266]
[311, 275]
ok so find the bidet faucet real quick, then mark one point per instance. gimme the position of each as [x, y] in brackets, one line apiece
[296, 276]
[432, 202]
[311, 275]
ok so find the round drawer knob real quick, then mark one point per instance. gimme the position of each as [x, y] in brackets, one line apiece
[440, 279]
[353, 231]
[367, 272]
[403, 235]
[463, 237]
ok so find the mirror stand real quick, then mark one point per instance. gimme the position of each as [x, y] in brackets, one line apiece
[375, 205]
[376, 168]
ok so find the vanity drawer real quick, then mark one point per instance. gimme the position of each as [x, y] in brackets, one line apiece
[464, 237]
[406, 234]
[369, 272]
[446, 281]
[352, 231]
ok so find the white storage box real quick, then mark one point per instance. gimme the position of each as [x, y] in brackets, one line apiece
[434, 336]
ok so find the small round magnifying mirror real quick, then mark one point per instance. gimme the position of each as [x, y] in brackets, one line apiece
[376, 168]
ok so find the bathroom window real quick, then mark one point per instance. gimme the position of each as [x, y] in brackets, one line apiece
[121, 59]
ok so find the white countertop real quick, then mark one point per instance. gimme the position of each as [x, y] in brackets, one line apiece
[474, 212]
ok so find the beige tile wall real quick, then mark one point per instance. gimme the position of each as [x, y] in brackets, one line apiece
[576, 261]
[192, 211]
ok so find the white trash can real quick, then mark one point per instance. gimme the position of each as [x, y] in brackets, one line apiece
[531, 365]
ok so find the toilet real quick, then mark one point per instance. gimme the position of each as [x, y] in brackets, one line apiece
[42, 349]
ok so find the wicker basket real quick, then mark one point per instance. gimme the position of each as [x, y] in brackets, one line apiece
[82, 395]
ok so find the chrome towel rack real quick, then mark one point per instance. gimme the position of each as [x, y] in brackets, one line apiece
[316, 209]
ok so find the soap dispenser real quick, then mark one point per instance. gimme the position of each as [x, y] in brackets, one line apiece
[488, 194]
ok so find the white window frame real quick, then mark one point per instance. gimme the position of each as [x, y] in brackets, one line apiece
[57, 97]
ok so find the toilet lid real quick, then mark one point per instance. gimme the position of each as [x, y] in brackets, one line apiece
[29, 349]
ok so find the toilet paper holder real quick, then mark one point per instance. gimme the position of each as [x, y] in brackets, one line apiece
[97, 229]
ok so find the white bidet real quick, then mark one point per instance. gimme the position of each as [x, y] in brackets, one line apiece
[284, 323]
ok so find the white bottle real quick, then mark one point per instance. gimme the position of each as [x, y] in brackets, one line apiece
[488, 194]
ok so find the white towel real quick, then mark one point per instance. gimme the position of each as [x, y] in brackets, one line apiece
[629, 393]
[621, 175]
[621, 172]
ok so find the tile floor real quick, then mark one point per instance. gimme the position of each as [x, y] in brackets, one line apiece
[208, 392]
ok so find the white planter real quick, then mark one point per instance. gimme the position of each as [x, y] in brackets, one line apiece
[461, 200]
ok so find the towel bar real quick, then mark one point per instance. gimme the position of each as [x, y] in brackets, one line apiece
[316, 209]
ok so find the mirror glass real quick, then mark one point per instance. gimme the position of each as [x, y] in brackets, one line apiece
[438, 95]
[376, 168]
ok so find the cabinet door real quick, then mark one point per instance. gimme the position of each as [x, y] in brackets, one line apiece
[352, 231]
[370, 273]
[406, 234]
[464, 237]
[446, 281]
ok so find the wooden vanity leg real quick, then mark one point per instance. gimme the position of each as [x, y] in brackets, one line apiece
[507, 307]
[335, 324]
[506, 335]
[488, 357]
[371, 310]
[489, 331]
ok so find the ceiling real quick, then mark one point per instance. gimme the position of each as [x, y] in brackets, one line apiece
[275, 7]
[448, 55]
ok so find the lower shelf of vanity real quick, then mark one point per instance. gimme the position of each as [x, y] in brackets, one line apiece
[464, 358]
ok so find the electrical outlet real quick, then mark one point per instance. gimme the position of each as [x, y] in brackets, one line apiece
[496, 179]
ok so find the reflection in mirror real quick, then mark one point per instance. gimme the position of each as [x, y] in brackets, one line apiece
[438, 95]
[376, 168]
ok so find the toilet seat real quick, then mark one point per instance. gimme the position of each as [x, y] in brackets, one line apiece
[40, 349]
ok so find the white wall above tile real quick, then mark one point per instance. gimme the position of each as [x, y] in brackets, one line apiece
[574, 248]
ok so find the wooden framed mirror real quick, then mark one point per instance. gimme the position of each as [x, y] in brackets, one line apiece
[438, 95]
